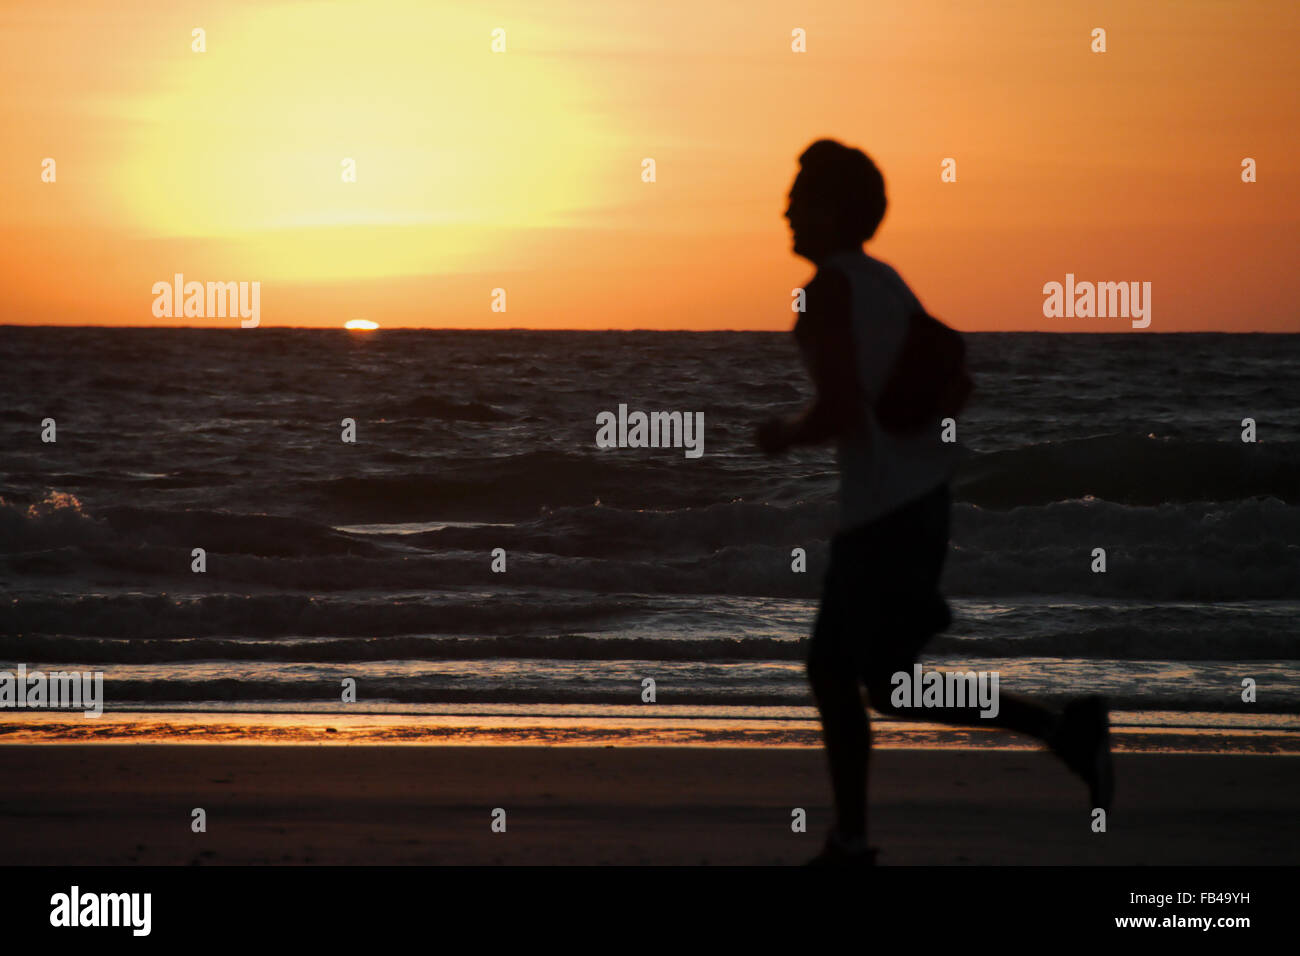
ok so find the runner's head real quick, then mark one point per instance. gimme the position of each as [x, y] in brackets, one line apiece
[837, 200]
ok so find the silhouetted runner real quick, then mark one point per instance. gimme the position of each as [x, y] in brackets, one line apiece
[881, 602]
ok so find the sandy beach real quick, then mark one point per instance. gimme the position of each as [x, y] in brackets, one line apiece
[118, 804]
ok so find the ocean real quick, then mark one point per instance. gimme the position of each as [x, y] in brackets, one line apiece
[373, 559]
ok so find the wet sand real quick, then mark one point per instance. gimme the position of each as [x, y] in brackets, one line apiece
[115, 804]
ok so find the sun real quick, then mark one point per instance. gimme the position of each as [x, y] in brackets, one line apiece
[322, 145]
[360, 325]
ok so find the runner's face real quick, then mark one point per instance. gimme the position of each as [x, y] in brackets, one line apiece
[811, 224]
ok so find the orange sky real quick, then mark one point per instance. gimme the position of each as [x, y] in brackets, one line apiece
[522, 170]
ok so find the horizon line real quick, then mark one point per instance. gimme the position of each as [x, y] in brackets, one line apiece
[520, 328]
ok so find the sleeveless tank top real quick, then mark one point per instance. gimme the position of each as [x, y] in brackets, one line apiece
[880, 472]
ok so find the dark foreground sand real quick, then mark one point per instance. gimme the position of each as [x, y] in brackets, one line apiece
[127, 804]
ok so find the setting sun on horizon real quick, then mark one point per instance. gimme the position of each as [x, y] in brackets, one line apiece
[407, 159]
